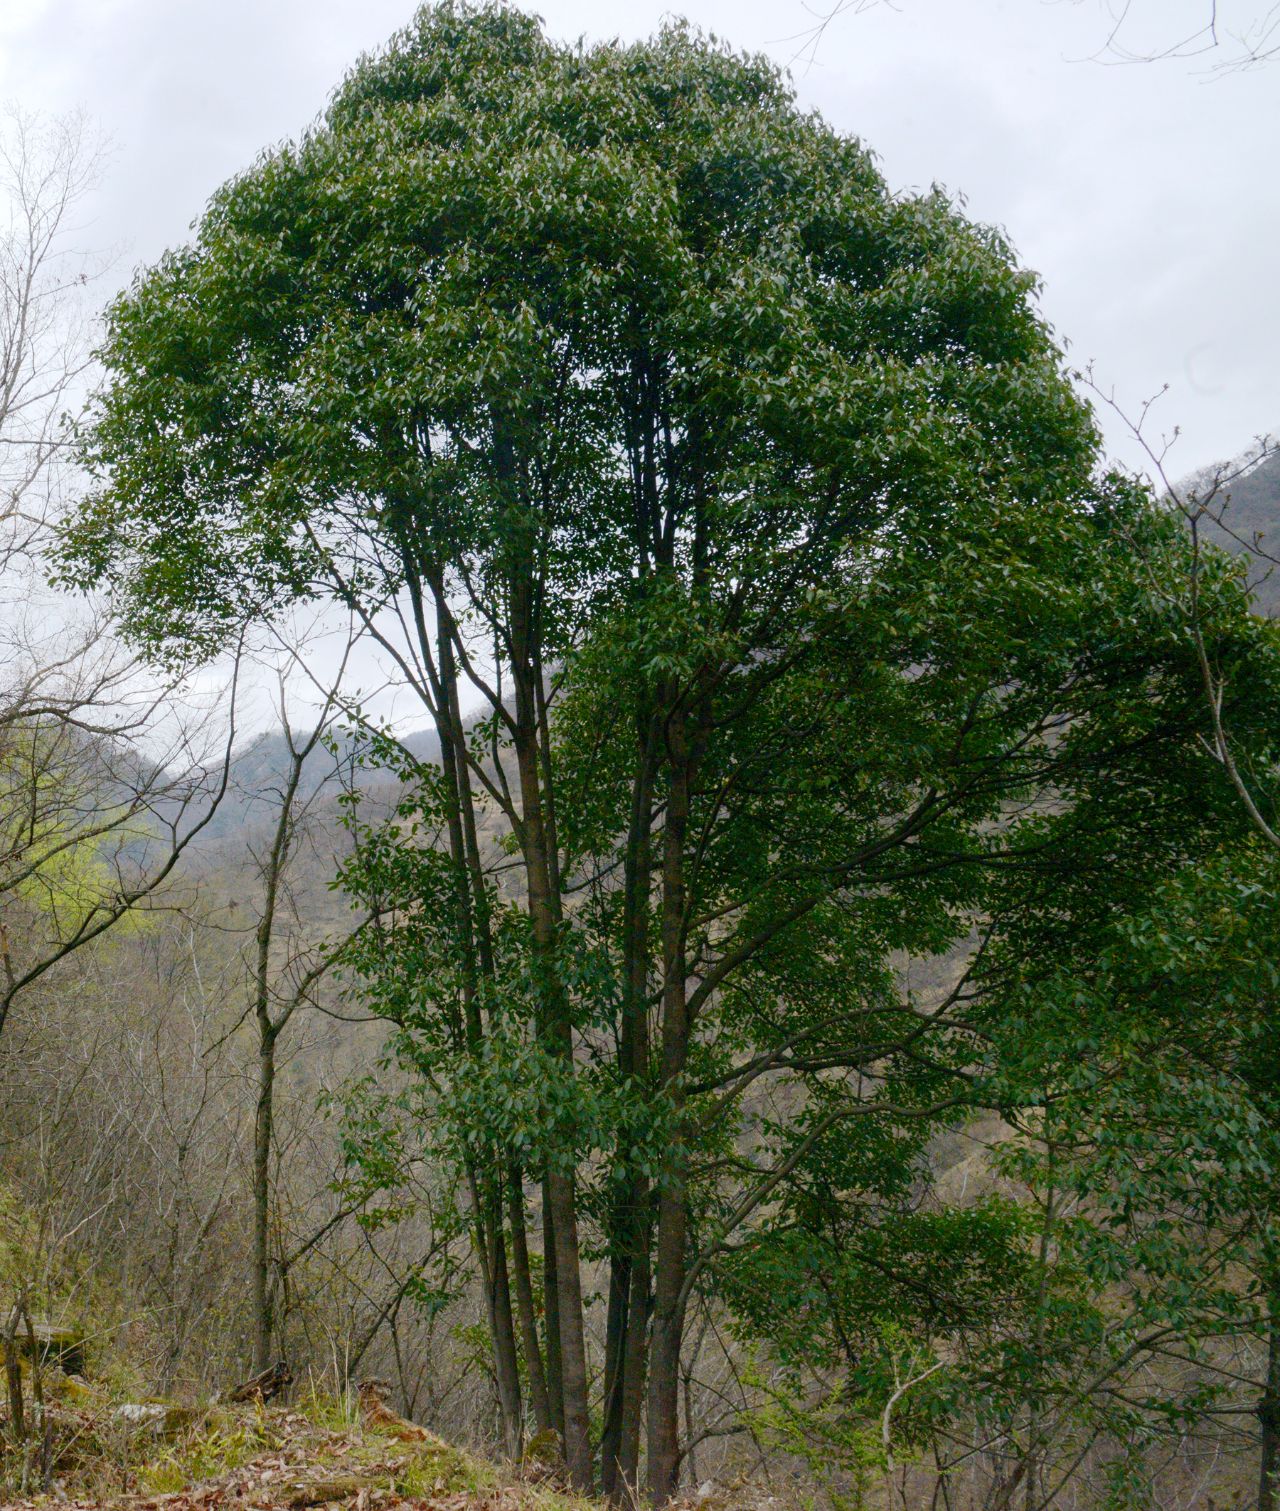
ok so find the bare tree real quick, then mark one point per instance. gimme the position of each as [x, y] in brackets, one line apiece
[102, 784]
[1228, 35]
[46, 168]
[1232, 34]
[289, 964]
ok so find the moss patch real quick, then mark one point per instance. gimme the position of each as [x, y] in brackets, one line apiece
[219, 1443]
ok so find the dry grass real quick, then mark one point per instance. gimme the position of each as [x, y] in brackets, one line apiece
[318, 1453]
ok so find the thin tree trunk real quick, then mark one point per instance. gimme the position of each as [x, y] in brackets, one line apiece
[636, 1352]
[663, 1468]
[491, 1253]
[551, 1312]
[573, 1342]
[1269, 1412]
[269, 1029]
[452, 711]
[524, 1300]
[1034, 1446]
[617, 1325]
[561, 1199]
[505, 1355]
[13, 1378]
[40, 1417]
[619, 1446]
[573, 1356]
[556, 1026]
[261, 1290]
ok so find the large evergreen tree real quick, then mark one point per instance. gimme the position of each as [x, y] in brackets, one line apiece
[754, 507]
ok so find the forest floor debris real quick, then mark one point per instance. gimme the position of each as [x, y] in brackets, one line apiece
[258, 1458]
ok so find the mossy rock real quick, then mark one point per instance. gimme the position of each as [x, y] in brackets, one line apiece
[159, 1419]
[55, 1344]
[74, 1389]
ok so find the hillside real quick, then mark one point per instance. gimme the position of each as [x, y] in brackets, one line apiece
[1251, 523]
[258, 769]
[349, 1452]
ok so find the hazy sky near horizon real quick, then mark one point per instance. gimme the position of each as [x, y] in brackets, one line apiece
[1146, 196]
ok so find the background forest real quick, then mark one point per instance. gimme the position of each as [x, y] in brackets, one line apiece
[797, 1016]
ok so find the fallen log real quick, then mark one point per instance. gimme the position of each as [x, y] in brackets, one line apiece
[265, 1385]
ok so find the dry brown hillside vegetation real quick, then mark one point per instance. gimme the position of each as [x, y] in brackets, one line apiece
[320, 1452]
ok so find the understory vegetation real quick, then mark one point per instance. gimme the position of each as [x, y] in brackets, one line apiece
[789, 1006]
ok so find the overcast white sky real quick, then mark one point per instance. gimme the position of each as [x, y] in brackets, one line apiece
[1147, 196]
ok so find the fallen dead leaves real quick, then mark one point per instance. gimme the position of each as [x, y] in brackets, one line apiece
[383, 1464]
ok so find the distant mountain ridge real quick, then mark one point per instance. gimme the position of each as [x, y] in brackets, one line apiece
[259, 769]
[1251, 525]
